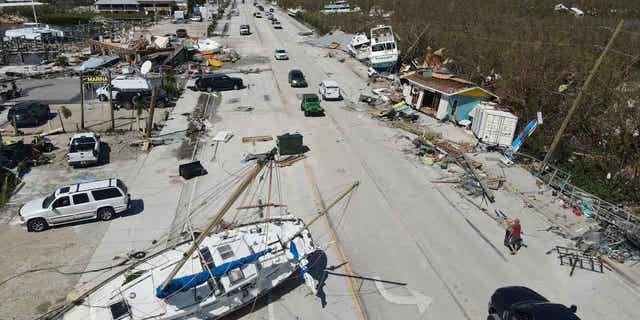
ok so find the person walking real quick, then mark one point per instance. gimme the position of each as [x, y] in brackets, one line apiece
[515, 236]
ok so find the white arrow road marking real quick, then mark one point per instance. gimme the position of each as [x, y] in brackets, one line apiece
[423, 302]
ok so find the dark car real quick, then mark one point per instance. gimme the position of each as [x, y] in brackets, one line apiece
[181, 33]
[218, 82]
[129, 98]
[522, 303]
[26, 114]
[296, 79]
[270, 9]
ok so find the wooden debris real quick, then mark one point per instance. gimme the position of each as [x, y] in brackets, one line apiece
[290, 160]
[256, 139]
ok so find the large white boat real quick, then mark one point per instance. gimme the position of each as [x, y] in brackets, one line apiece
[359, 47]
[213, 274]
[32, 31]
[339, 7]
[383, 51]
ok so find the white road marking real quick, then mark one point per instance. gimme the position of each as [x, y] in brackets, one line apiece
[420, 300]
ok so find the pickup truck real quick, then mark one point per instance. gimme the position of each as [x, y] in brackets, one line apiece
[84, 149]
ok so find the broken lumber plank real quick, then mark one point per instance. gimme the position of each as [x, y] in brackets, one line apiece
[483, 184]
[256, 139]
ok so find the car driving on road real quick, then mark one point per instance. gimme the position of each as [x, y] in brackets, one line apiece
[218, 82]
[310, 104]
[296, 79]
[245, 30]
[277, 24]
[522, 303]
[281, 54]
[81, 201]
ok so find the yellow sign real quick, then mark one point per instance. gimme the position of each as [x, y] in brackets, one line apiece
[94, 79]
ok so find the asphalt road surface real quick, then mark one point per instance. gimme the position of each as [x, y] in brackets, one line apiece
[439, 257]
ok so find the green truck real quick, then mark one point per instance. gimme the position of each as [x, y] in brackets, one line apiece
[311, 104]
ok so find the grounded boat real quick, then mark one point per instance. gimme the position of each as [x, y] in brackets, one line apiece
[211, 275]
[339, 7]
[33, 32]
[359, 47]
[294, 12]
[383, 52]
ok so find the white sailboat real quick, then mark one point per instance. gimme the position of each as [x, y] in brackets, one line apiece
[359, 47]
[34, 30]
[383, 52]
[209, 276]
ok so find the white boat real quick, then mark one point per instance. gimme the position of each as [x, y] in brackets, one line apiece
[339, 7]
[383, 51]
[209, 276]
[33, 31]
[294, 11]
[359, 47]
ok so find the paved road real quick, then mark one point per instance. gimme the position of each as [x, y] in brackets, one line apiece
[398, 226]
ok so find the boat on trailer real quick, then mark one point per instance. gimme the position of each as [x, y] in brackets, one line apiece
[215, 273]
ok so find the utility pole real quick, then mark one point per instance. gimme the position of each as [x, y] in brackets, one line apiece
[113, 120]
[152, 108]
[578, 99]
[82, 100]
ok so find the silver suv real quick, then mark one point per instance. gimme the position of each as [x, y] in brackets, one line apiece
[82, 201]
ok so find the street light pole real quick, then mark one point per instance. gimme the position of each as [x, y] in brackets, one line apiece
[113, 121]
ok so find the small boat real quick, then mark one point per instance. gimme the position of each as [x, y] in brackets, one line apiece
[383, 51]
[359, 47]
[294, 12]
[339, 7]
[213, 274]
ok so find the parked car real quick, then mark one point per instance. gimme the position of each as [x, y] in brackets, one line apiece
[84, 149]
[128, 98]
[172, 37]
[296, 78]
[515, 303]
[82, 201]
[329, 90]
[281, 54]
[270, 9]
[26, 114]
[245, 30]
[310, 104]
[277, 24]
[196, 18]
[218, 82]
[181, 33]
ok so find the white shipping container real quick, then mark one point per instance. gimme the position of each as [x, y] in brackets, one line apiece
[494, 127]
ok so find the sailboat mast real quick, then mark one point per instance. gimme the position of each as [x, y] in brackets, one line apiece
[35, 16]
[218, 216]
[326, 210]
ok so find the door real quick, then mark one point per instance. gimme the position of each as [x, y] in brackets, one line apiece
[83, 207]
[62, 211]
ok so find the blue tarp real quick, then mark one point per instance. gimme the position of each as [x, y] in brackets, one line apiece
[191, 281]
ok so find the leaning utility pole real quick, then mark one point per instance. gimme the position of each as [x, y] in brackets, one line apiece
[578, 99]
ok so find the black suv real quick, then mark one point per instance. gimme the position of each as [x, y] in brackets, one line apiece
[296, 79]
[28, 114]
[218, 82]
[522, 303]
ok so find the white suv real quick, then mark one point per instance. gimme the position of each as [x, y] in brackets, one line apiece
[329, 90]
[83, 201]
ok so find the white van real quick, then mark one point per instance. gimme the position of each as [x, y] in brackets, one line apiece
[82, 201]
[84, 149]
[329, 90]
[120, 83]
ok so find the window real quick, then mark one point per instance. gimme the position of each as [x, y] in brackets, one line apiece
[106, 194]
[119, 310]
[47, 201]
[80, 198]
[225, 251]
[61, 202]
